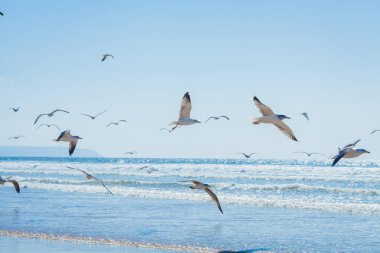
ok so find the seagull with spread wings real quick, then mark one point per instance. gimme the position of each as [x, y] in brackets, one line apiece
[49, 125]
[217, 118]
[184, 114]
[89, 176]
[16, 137]
[72, 140]
[51, 114]
[308, 154]
[93, 117]
[247, 155]
[201, 186]
[116, 123]
[130, 153]
[14, 109]
[348, 151]
[269, 117]
[14, 182]
[105, 56]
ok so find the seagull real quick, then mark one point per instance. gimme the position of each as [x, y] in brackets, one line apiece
[73, 140]
[49, 125]
[105, 56]
[184, 114]
[308, 154]
[374, 131]
[51, 114]
[150, 170]
[270, 118]
[247, 156]
[16, 137]
[305, 115]
[89, 176]
[165, 129]
[217, 117]
[14, 109]
[116, 123]
[93, 117]
[14, 182]
[130, 153]
[201, 186]
[349, 152]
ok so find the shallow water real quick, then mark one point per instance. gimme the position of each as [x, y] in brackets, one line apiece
[294, 206]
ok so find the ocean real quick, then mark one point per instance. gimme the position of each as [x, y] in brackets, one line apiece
[268, 205]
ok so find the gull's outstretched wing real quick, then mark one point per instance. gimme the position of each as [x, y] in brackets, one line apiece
[265, 110]
[38, 117]
[214, 198]
[352, 144]
[224, 116]
[100, 113]
[340, 156]
[285, 129]
[185, 106]
[72, 146]
[59, 110]
[15, 184]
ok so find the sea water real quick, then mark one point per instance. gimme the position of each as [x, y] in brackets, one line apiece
[274, 205]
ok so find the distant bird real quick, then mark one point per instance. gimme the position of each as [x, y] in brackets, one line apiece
[184, 114]
[247, 155]
[348, 152]
[49, 125]
[51, 114]
[67, 137]
[105, 56]
[143, 167]
[93, 117]
[165, 129]
[374, 131]
[149, 170]
[89, 176]
[308, 154]
[14, 182]
[217, 118]
[201, 186]
[16, 137]
[305, 115]
[2, 14]
[130, 153]
[116, 123]
[270, 118]
[14, 109]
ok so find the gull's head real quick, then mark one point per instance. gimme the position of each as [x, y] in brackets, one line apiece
[361, 150]
[282, 117]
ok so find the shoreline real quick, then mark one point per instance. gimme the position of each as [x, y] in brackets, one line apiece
[105, 241]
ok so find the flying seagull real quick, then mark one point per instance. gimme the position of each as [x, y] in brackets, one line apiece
[130, 153]
[105, 56]
[247, 155]
[184, 114]
[305, 115]
[93, 117]
[374, 131]
[348, 152]
[308, 154]
[165, 129]
[270, 118]
[14, 109]
[201, 186]
[149, 170]
[16, 137]
[217, 117]
[14, 182]
[73, 140]
[49, 125]
[89, 176]
[51, 114]
[116, 123]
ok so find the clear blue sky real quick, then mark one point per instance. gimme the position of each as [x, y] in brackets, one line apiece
[316, 56]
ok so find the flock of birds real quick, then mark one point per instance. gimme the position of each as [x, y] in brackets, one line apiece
[267, 117]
